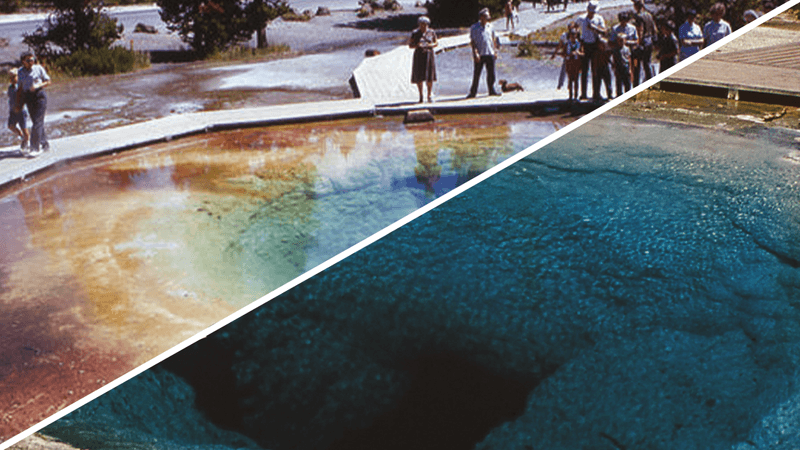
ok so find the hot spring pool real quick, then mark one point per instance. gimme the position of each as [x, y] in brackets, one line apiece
[635, 284]
[123, 257]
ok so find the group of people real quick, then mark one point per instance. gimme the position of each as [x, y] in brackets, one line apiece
[483, 42]
[26, 91]
[627, 48]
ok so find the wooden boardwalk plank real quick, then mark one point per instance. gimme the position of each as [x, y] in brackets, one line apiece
[725, 74]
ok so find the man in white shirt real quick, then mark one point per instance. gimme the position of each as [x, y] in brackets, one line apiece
[592, 27]
[484, 43]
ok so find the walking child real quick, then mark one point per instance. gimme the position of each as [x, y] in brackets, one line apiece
[17, 119]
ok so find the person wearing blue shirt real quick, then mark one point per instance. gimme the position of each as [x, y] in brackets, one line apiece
[17, 120]
[690, 35]
[625, 27]
[717, 28]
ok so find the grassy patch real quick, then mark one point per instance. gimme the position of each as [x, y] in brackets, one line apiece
[245, 54]
[101, 61]
[785, 21]
[294, 16]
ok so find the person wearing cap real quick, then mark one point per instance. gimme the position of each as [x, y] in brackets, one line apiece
[31, 81]
[423, 64]
[716, 28]
[647, 36]
[593, 27]
[690, 35]
[484, 43]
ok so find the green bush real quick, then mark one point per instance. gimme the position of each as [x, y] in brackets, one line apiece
[392, 5]
[527, 49]
[243, 53]
[293, 16]
[9, 6]
[70, 30]
[100, 61]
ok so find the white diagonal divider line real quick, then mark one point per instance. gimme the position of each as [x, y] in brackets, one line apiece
[389, 229]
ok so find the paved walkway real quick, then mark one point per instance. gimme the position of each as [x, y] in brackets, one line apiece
[14, 167]
[383, 88]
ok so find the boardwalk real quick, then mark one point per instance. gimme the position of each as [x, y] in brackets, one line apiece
[769, 73]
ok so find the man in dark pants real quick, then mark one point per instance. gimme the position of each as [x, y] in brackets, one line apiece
[647, 36]
[593, 26]
[484, 45]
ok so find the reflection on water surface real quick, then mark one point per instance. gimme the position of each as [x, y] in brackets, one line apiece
[133, 253]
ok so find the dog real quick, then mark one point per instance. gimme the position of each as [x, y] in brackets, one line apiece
[505, 86]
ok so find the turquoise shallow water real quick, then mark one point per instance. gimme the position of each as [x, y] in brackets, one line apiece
[633, 285]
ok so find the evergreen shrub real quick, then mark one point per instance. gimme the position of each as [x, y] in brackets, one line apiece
[100, 61]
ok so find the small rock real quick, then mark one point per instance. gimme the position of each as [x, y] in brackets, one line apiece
[777, 115]
[418, 116]
[144, 28]
[364, 11]
[323, 11]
